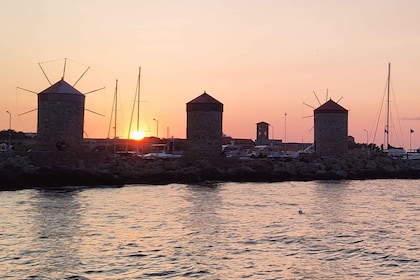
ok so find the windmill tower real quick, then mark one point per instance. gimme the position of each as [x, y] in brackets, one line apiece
[61, 107]
[329, 125]
[331, 129]
[61, 110]
[204, 126]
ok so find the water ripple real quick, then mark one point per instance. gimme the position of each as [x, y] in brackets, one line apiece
[350, 230]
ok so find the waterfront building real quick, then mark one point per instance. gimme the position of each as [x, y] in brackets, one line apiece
[204, 127]
[331, 129]
[60, 117]
[262, 133]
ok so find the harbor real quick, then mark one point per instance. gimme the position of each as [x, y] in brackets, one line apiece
[61, 169]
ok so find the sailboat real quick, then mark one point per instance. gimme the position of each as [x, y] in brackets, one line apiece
[135, 102]
[391, 151]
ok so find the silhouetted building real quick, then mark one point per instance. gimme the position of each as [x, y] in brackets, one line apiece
[262, 133]
[331, 129]
[60, 117]
[204, 127]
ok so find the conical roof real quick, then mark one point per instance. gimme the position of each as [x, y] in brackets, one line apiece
[330, 107]
[61, 87]
[204, 98]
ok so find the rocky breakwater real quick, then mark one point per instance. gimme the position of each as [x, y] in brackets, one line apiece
[64, 169]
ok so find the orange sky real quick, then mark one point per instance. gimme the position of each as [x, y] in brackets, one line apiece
[261, 59]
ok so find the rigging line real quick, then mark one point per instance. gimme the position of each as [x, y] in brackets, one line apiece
[132, 112]
[398, 115]
[131, 118]
[379, 113]
[53, 60]
[131, 121]
[95, 127]
[72, 60]
[400, 143]
[112, 114]
[136, 99]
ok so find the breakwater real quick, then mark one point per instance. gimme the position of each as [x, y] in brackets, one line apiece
[55, 169]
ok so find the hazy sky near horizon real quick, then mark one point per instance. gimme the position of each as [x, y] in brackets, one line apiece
[261, 59]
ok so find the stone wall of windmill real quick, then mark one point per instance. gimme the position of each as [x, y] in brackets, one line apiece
[204, 127]
[60, 117]
[331, 129]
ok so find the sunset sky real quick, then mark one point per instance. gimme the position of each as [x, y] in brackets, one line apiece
[261, 59]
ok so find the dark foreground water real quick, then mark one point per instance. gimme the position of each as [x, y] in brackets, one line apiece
[350, 230]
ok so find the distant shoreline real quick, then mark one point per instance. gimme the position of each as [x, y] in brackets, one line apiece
[60, 169]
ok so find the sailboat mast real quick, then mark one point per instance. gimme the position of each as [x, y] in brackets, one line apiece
[387, 108]
[138, 101]
[115, 117]
[115, 109]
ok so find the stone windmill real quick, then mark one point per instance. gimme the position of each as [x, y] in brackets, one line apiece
[61, 110]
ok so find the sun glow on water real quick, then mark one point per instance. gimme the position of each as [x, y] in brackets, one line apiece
[137, 135]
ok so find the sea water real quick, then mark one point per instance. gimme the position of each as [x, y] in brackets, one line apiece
[345, 230]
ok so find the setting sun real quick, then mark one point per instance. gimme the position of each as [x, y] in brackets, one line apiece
[137, 135]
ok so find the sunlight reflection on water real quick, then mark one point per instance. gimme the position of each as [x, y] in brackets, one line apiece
[350, 229]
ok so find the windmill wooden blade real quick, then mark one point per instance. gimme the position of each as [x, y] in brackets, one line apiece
[27, 90]
[86, 93]
[309, 105]
[28, 112]
[94, 112]
[317, 98]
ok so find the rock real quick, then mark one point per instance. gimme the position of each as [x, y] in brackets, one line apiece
[60, 169]
[371, 164]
